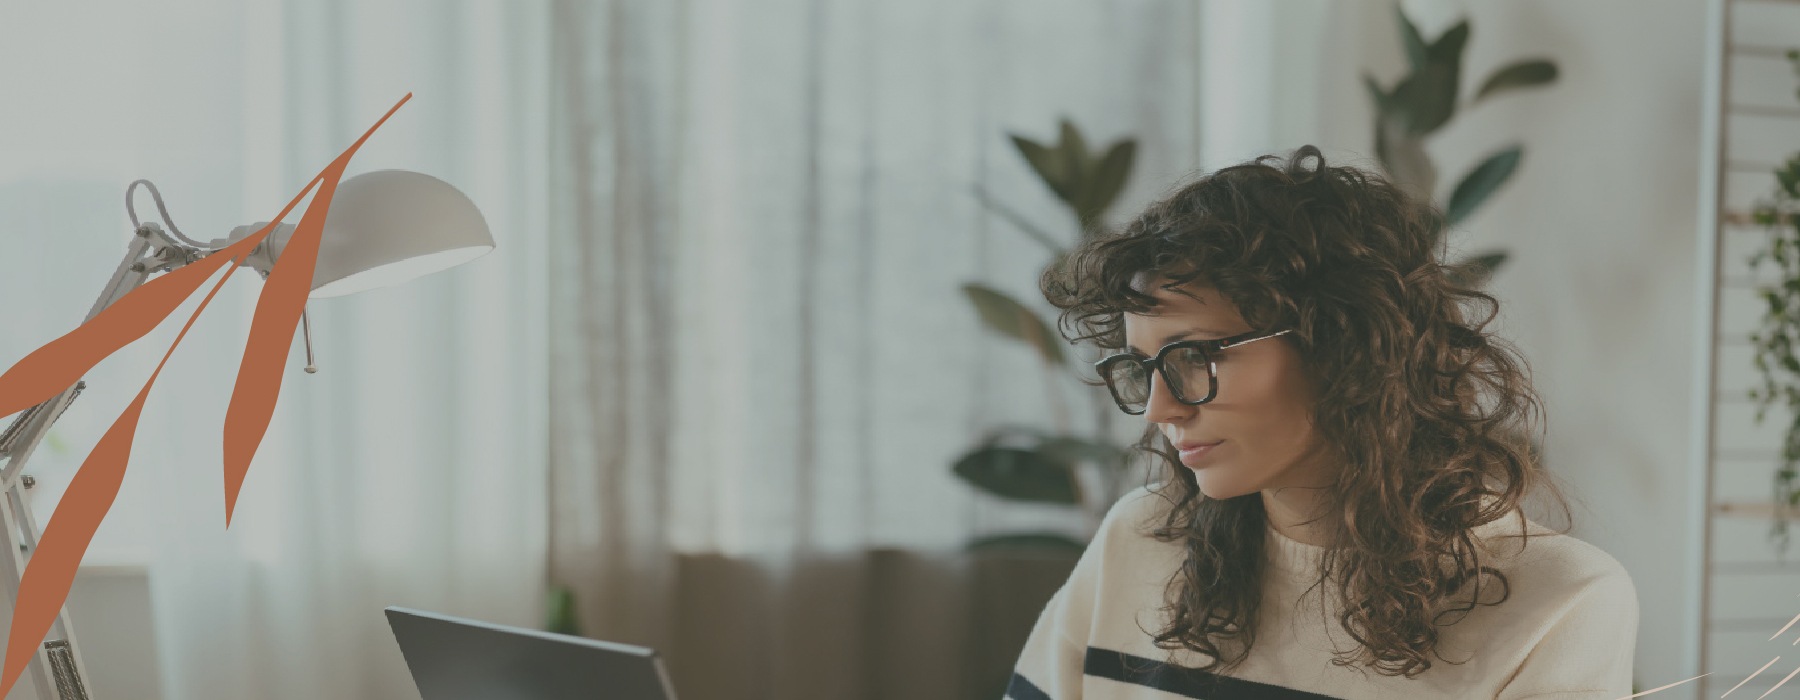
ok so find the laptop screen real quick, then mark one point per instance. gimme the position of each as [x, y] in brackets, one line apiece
[460, 659]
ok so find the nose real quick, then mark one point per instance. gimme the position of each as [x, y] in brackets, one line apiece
[1162, 406]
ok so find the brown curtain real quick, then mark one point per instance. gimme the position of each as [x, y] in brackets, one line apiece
[762, 366]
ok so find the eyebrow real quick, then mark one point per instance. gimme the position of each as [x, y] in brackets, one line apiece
[1182, 335]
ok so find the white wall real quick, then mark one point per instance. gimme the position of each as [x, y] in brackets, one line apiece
[1601, 224]
[1600, 221]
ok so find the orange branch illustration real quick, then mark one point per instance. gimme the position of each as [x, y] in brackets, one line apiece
[272, 329]
[59, 364]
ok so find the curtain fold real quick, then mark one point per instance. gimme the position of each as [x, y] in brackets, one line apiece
[763, 362]
[611, 345]
[409, 470]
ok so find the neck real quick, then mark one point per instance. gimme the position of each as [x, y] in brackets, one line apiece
[1295, 513]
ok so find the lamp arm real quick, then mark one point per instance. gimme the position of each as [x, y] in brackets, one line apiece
[174, 231]
[21, 438]
[57, 669]
[152, 250]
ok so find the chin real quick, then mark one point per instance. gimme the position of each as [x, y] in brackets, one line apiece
[1220, 489]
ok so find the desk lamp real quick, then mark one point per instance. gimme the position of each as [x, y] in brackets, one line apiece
[383, 228]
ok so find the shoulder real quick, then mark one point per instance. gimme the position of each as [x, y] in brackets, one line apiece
[1138, 512]
[1546, 565]
[1569, 621]
[1127, 532]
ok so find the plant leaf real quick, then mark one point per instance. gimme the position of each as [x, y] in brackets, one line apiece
[1482, 182]
[1074, 153]
[1104, 187]
[1027, 541]
[1428, 94]
[1019, 474]
[1409, 36]
[1382, 150]
[1426, 98]
[1449, 45]
[1522, 74]
[1074, 450]
[1376, 95]
[1012, 319]
[1789, 175]
[1046, 164]
[561, 617]
[1406, 161]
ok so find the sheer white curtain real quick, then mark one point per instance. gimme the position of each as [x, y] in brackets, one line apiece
[764, 366]
[410, 469]
[1273, 78]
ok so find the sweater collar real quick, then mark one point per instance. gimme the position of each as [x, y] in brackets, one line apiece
[1290, 555]
[1299, 558]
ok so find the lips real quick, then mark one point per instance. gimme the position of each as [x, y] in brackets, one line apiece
[1193, 453]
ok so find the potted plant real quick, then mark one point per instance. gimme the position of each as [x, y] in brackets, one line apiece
[1423, 102]
[1026, 464]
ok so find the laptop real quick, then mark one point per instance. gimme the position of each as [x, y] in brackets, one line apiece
[453, 658]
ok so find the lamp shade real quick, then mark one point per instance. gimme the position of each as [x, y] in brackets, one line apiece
[386, 227]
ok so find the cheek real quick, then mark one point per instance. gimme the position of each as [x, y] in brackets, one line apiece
[1271, 429]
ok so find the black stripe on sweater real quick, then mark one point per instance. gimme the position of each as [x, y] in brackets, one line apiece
[1181, 680]
[1021, 689]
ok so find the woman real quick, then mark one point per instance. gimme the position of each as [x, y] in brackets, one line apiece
[1345, 460]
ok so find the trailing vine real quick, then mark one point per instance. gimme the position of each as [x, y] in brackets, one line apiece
[1778, 330]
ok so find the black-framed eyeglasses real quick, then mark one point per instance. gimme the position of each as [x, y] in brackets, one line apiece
[1187, 368]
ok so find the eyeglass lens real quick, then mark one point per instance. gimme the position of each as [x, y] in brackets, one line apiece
[1187, 371]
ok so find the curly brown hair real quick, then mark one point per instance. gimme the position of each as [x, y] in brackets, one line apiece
[1430, 415]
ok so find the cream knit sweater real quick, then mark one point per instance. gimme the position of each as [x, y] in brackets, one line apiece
[1567, 631]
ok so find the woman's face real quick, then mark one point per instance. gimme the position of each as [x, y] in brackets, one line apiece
[1261, 417]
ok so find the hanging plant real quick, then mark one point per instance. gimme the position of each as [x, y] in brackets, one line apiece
[1778, 330]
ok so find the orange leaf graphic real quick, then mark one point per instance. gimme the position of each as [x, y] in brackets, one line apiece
[272, 329]
[59, 364]
[45, 584]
